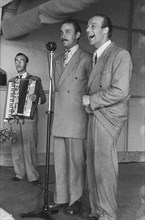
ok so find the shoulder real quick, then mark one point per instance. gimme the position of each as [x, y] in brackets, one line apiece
[121, 55]
[86, 54]
[119, 50]
[12, 79]
[2, 71]
[59, 56]
[32, 77]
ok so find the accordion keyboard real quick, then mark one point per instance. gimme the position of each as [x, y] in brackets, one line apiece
[10, 100]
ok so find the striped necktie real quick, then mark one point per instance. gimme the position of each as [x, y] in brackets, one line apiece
[66, 57]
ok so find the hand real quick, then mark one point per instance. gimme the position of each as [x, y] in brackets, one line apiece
[88, 110]
[86, 100]
[6, 124]
[32, 97]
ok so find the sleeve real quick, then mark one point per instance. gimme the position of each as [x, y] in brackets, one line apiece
[119, 86]
[41, 93]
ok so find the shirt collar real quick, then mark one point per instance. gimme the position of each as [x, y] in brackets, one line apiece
[101, 49]
[71, 52]
[74, 49]
[24, 75]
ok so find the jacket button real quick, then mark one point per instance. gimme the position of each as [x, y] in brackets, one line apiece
[76, 77]
[68, 91]
[100, 86]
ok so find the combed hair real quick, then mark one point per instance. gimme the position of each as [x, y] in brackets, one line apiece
[106, 23]
[22, 54]
[74, 23]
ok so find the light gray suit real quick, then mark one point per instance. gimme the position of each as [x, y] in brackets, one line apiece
[108, 87]
[69, 127]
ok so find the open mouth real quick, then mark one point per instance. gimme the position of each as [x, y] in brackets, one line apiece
[91, 37]
[64, 40]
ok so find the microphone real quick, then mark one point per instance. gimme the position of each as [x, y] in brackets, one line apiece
[51, 46]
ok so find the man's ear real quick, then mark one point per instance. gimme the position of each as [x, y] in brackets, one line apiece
[78, 35]
[26, 66]
[105, 30]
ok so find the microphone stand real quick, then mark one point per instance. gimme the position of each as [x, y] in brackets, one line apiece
[44, 212]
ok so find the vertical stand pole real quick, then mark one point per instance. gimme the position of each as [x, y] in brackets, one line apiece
[44, 212]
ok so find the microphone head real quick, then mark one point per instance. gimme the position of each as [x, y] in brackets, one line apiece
[51, 46]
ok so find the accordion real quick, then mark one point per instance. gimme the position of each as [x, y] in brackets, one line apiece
[18, 102]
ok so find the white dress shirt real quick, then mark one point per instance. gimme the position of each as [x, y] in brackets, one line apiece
[100, 50]
[24, 75]
[69, 53]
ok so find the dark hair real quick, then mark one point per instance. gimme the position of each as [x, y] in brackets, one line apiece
[21, 54]
[74, 23]
[106, 23]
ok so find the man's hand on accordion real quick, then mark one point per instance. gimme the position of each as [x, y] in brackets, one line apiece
[32, 97]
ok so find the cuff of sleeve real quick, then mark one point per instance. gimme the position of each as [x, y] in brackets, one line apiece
[92, 104]
[39, 101]
[5, 120]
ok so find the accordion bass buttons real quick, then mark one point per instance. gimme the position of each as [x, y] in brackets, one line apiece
[18, 102]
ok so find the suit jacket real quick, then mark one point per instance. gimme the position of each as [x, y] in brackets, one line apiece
[40, 95]
[70, 118]
[109, 87]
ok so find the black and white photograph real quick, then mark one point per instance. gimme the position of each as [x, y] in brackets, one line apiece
[72, 109]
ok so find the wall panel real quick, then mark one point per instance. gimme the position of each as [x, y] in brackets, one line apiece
[136, 125]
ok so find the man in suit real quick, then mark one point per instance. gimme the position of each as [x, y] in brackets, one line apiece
[69, 127]
[24, 149]
[107, 106]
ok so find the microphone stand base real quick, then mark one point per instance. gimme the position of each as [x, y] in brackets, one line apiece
[46, 214]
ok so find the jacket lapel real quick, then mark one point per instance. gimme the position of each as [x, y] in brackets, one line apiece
[99, 66]
[59, 69]
[70, 66]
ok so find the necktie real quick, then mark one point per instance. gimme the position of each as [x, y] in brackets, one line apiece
[66, 57]
[20, 76]
[94, 58]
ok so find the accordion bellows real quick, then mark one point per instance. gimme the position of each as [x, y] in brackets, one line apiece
[18, 102]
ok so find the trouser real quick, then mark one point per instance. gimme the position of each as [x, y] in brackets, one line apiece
[102, 170]
[24, 150]
[69, 163]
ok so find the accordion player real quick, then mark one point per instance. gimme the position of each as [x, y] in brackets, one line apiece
[18, 103]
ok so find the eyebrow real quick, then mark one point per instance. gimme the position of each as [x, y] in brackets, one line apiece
[19, 60]
[91, 23]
